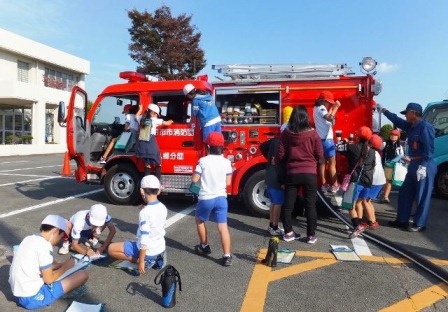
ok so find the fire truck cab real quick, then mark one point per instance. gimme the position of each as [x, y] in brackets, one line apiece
[250, 99]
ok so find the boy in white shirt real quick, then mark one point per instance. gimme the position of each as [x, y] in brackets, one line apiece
[33, 274]
[214, 173]
[149, 249]
[88, 224]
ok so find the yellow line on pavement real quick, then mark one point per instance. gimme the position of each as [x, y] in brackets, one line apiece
[419, 301]
[300, 268]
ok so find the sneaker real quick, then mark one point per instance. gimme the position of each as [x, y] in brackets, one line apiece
[374, 225]
[325, 188]
[226, 260]
[91, 242]
[204, 251]
[289, 237]
[65, 248]
[334, 189]
[358, 230]
[102, 160]
[312, 239]
[277, 232]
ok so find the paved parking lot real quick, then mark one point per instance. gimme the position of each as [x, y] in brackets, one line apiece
[31, 188]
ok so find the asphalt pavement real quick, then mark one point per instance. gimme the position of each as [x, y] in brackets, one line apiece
[31, 188]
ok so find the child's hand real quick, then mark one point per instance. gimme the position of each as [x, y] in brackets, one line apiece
[141, 267]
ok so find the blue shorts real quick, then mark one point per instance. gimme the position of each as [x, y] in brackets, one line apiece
[329, 148]
[47, 295]
[212, 128]
[214, 209]
[361, 192]
[277, 196]
[374, 191]
[156, 262]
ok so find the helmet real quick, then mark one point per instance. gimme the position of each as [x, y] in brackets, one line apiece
[154, 108]
[127, 107]
[395, 132]
[376, 142]
[286, 112]
[327, 96]
[188, 88]
[364, 133]
[215, 139]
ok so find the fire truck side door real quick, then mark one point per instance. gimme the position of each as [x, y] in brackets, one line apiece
[78, 129]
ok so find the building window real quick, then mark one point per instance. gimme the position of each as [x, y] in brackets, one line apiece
[15, 125]
[59, 80]
[22, 71]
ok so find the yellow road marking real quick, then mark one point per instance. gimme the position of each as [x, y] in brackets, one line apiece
[262, 275]
[420, 300]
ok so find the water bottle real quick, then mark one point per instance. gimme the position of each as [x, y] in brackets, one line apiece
[271, 255]
[168, 278]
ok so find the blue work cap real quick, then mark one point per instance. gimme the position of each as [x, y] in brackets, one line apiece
[413, 107]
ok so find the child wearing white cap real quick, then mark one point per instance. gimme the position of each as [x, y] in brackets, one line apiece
[149, 249]
[88, 224]
[33, 274]
[147, 147]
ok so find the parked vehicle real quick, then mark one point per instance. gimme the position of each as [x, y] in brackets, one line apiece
[250, 99]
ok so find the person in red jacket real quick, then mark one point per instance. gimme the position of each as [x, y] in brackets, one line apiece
[301, 147]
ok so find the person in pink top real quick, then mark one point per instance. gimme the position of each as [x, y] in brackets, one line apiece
[302, 149]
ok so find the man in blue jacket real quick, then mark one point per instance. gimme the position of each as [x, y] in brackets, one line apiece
[204, 107]
[419, 181]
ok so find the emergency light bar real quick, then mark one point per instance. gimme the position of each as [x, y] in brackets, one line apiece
[131, 76]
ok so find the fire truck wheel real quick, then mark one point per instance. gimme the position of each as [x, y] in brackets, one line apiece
[441, 182]
[254, 195]
[121, 184]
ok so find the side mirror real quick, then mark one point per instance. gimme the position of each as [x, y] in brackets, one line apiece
[61, 114]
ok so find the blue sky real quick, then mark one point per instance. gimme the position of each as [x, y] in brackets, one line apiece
[407, 38]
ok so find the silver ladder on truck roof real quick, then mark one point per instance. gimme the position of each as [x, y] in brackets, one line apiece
[294, 71]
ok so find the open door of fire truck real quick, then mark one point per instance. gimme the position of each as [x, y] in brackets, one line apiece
[78, 132]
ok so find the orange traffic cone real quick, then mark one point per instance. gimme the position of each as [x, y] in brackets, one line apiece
[66, 166]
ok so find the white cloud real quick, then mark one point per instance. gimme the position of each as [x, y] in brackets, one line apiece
[385, 68]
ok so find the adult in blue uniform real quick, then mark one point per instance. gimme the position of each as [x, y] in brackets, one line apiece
[419, 180]
[204, 107]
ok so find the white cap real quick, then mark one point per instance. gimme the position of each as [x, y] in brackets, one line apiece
[98, 215]
[154, 108]
[188, 88]
[56, 221]
[150, 181]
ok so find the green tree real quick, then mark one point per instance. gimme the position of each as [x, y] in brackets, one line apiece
[165, 46]
[385, 131]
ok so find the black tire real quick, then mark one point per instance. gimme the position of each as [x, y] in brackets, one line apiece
[122, 184]
[441, 182]
[254, 195]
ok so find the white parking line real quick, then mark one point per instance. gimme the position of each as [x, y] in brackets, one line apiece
[13, 162]
[24, 175]
[12, 213]
[32, 168]
[26, 181]
[179, 215]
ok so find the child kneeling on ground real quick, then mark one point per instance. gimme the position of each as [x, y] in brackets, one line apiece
[88, 224]
[149, 249]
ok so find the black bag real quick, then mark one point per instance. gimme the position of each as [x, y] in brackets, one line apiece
[168, 278]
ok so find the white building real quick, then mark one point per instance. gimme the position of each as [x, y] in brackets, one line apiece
[34, 78]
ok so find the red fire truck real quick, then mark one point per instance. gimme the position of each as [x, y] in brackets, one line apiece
[250, 99]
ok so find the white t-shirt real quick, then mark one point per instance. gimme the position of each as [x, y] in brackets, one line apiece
[324, 127]
[79, 221]
[155, 123]
[213, 170]
[33, 255]
[133, 124]
[151, 228]
[378, 172]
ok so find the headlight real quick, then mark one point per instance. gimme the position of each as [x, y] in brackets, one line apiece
[368, 64]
